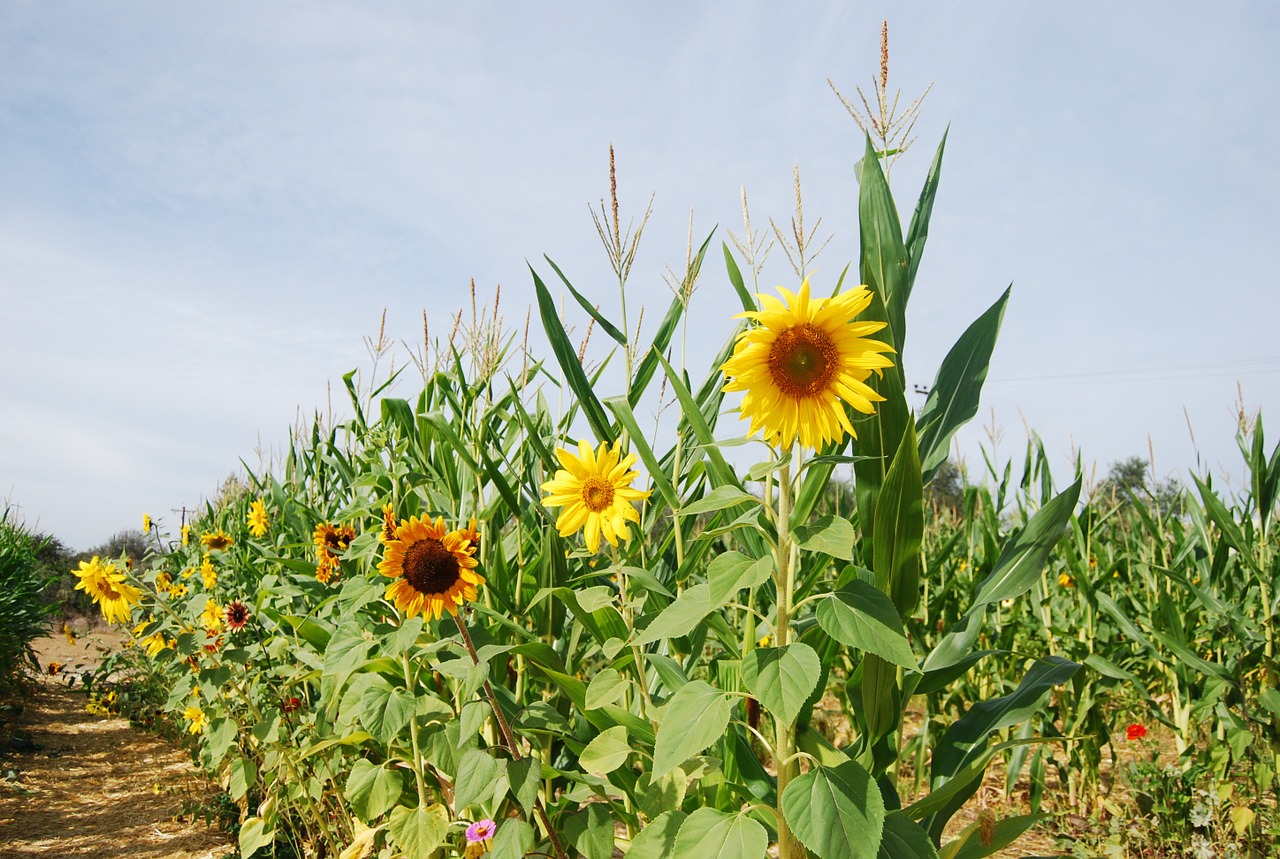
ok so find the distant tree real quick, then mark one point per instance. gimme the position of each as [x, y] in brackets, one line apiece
[1130, 478]
[946, 490]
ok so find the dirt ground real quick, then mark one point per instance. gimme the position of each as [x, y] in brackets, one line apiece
[76, 784]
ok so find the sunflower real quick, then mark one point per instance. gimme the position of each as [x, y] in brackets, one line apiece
[331, 540]
[326, 567]
[186, 534]
[803, 363]
[257, 518]
[211, 617]
[388, 532]
[594, 488]
[237, 615]
[208, 575]
[164, 581]
[109, 590]
[195, 716]
[434, 570]
[146, 523]
[216, 540]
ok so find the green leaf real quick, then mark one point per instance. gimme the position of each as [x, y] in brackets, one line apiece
[513, 840]
[1022, 558]
[384, 710]
[567, 358]
[860, 616]
[219, 740]
[953, 399]
[696, 716]
[478, 774]
[781, 678]
[372, 790]
[709, 833]
[622, 411]
[1006, 832]
[718, 499]
[918, 232]
[680, 617]
[243, 775]
[254, 836]
[658, 839]
[605, 324]
[419, 831]
[722, 473]
[591, 831]
[828, 535]
[605, 688]
[899, 528]
[884, 256]
[525, 777]
[905, 839]
[608, 751]
[836, 811]
[730, 572]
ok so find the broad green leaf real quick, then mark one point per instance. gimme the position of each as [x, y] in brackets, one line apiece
[608, 751]
[836, 811]
[718, 499]
[254, 836]
[828, 535]
[525, 777]
[243, 774]
[591, 831]
[730, 572]
[218, 741]
[860, 616]
[372, 790]
[385, 710]
[899, 528]
[605, 688]
[513, 840]
[781, 678]
[696, 716]
[419, 831]
[905, 839]
[477, 781]
[658, 839]
[709, 833]
[1007, 830]
[680, 617]
[953, 399]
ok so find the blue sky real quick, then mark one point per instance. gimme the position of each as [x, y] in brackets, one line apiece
[205, 208]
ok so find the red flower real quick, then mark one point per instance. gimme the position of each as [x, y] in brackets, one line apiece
[237, 615]
[291, 705]
[1135, 732]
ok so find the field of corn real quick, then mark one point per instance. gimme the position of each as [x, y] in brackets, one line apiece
[504, 616]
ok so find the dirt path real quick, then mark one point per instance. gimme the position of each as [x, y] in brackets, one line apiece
[77, 784]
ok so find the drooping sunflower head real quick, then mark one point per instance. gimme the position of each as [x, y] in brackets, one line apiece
[388, 532]
[237, 616]
[216, 540]
[107, 586]
[803, 362]
[593, 490]
[434, 569]
[333, 538]
[257, 518]
[146, 523]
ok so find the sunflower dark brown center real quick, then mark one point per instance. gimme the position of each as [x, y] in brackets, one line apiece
[802, 361]
[597, 494]
[429, 567]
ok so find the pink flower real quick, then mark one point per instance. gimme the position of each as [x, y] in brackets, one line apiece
[1135, 732]
[481, 830]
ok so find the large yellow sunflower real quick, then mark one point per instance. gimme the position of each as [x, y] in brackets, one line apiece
[594, 488]
[258, 522]
[803, 362]
[216, 540]
[107, 585]
[434, 570]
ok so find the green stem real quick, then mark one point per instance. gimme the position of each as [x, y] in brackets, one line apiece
[785, 732]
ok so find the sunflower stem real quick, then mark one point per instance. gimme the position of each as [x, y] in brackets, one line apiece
[413, 737]
[507, 736]
[785, 731]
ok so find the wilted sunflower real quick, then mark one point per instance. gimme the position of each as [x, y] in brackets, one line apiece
[257, 518]
[803, 363]
[237, 615]
[108, 588]
[216, 540]
[434, 570]
[54, 667]
[594, 488]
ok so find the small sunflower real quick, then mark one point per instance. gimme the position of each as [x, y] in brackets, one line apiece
[195, 716]
[388, 532]
[164, 581]
[146, 523]
[434, 570]
[69, 633]
[594, 488]
[186, 535]
[54, 667]
[803, 363]
[216, 540]
[258, 522]
[211, 617]
[331, 541]
[1065, 581]
[108, 588]
[208, 575]
[154, 643]
[327, 567]
[237, 616]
